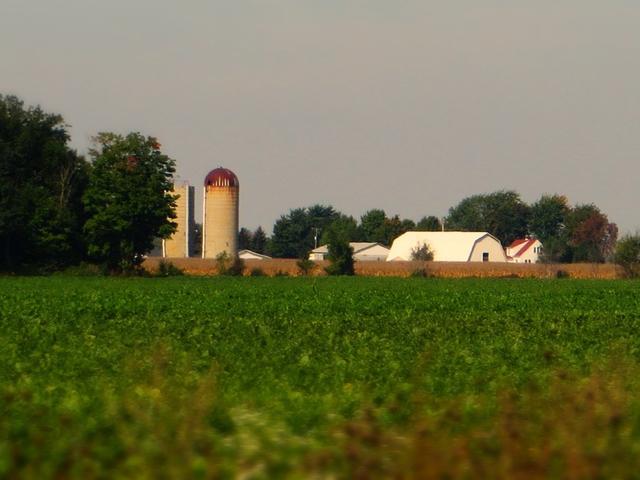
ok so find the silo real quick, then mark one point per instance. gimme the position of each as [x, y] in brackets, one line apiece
[220, 213]
[181, 242]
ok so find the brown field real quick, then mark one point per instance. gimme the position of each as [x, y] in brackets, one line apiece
[199, 266]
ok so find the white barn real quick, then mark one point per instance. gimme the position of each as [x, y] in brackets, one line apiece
[449, 246]
[362, 251]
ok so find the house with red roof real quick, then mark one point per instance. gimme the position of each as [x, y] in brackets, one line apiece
[524, 250]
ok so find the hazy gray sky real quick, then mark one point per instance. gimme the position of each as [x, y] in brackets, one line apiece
[405, 105]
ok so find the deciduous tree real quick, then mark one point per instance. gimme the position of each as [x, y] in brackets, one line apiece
[128, 200]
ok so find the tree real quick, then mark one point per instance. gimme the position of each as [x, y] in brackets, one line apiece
[548, 217]
[429, 224]
[346, 225]
[293, 234]
[372, 226]
[591, 238]
[259, 241]
[245, 239]
[340, 254]
[128, 200]
[503, 214]
[628, 254]
[41, 184]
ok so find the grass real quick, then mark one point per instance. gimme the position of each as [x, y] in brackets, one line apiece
[293, 377]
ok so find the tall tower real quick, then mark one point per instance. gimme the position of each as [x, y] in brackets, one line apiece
[181, 242]
[220, 213]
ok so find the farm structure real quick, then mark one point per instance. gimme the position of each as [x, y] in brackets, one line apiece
[524, 250]
[251, 255]
[180, 244]
[220, 213]
[449, 246]
[362, 251]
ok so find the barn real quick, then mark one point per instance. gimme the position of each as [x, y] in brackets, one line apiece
[449, 246]
[362, 251]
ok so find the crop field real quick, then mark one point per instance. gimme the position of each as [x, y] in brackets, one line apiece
[319, 377]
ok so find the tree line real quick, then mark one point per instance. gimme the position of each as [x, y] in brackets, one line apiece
[578, 233]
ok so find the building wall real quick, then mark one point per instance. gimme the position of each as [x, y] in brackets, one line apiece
[220, 222]
[489, 245]
[531, 255]
[180, 244]
[375, 253]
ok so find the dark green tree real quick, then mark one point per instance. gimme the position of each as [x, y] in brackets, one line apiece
[127, 201]
[245, 239]
[340, 254]
[429, 224]
[372, 226]
[628, 254]
[293, 234]
[548, 217]
[41, 184]
[503, 214]
[259, 240]
[346, 225]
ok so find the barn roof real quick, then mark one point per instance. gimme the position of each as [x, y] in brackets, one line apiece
[524, 246]
[446, 246]
[357, 247]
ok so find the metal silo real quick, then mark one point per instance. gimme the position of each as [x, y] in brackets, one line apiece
[220, 213]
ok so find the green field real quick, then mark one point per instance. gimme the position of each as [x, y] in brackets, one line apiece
[294, 377]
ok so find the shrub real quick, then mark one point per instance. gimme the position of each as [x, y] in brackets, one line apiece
[168, 269]
[422, 253]
[256, 272]
[340, 255]
[628, 255]
[281, 273]
[228, 265]
[305, 266]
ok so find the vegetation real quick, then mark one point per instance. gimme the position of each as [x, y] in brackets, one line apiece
[41, 183]
[228, 265]
[628, 255]
[422, 253]
[340, 254]
[274, 378]
[127, 200]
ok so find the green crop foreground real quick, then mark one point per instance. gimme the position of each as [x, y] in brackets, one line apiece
[303, 377]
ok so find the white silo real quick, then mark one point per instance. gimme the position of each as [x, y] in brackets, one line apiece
[220, 213]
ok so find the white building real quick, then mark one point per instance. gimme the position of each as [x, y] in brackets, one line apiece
[524, 250]
[449, 246]
[362, 251]
[250, 255]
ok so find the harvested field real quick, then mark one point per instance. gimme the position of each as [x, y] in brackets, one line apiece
[199, 266]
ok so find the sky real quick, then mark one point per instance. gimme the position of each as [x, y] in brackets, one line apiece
[404, 105]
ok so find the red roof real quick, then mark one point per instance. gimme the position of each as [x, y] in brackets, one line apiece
[527, 246]
[517, 242]
[221, 177]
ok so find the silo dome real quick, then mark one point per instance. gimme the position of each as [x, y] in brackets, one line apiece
[221, 177]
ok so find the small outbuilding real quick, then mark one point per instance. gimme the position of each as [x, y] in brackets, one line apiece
[524, 250]
[362, 252]
[250, 255]
[449, 246]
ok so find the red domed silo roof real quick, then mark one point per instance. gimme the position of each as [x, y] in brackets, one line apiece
[221, 177]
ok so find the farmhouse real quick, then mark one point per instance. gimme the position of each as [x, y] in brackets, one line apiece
[250, 255]
[449, 246]
[524, 250]
[362, 251]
